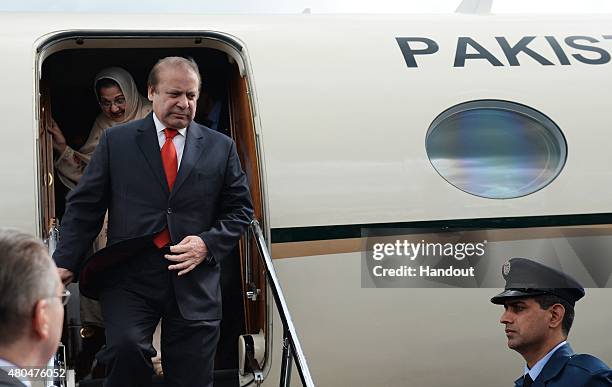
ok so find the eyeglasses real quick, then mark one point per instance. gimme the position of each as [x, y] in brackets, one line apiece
[64, 297]
[119, 102]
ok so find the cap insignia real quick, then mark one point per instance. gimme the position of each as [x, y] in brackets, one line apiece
[506, 268]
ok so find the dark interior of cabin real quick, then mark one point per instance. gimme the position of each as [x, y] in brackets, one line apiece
[68, 78]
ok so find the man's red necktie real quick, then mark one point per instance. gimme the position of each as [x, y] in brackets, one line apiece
[170, 161]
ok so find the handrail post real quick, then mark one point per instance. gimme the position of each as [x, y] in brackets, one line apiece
[247, 254]
[286, 360]
[251, 289]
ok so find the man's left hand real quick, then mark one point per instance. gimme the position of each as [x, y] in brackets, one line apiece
[188, 254]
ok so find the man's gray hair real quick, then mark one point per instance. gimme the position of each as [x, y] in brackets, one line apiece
[173, 61]
[27, 274]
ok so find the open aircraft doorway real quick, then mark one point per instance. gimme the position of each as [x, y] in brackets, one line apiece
[67, 64]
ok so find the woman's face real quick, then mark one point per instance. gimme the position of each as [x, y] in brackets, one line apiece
[112, 103]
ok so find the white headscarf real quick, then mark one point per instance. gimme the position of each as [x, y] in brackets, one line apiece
[72, 163]
[136, 106]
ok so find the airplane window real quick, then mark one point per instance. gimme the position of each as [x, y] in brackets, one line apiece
[496, 149]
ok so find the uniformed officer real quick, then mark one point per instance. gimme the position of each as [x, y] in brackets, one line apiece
[539, 311]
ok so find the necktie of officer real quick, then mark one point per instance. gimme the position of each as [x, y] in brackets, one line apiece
[170, 162]
[527, 381]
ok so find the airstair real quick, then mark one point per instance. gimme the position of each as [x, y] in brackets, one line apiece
[292, 353]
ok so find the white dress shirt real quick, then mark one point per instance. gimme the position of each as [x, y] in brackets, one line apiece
[178, 140]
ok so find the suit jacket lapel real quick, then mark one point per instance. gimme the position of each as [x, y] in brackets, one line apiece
[149, 146]
[194, 144]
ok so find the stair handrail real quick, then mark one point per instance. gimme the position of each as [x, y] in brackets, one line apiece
[291, 342]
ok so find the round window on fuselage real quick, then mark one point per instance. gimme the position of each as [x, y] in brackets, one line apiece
[496, 149]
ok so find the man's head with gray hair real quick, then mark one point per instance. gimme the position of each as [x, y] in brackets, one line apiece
[173, 61]
[174, 88]
[30, 300]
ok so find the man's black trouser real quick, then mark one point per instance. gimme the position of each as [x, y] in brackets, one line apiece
[135, 298]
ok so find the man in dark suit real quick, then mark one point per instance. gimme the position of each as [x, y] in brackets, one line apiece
[539, 312]
[182, 184]
[31, 311]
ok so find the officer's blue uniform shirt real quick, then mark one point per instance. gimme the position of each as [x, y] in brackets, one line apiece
[537, 367]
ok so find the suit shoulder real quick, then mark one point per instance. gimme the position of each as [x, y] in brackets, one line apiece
[588, 363]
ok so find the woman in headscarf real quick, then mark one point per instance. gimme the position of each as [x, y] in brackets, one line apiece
[119, 101]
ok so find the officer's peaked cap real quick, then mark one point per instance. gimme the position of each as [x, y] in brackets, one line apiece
[527, 278]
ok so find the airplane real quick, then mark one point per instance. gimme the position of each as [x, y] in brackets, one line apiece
[355, 130]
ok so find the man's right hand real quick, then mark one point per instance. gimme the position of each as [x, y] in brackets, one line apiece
[65, 275]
